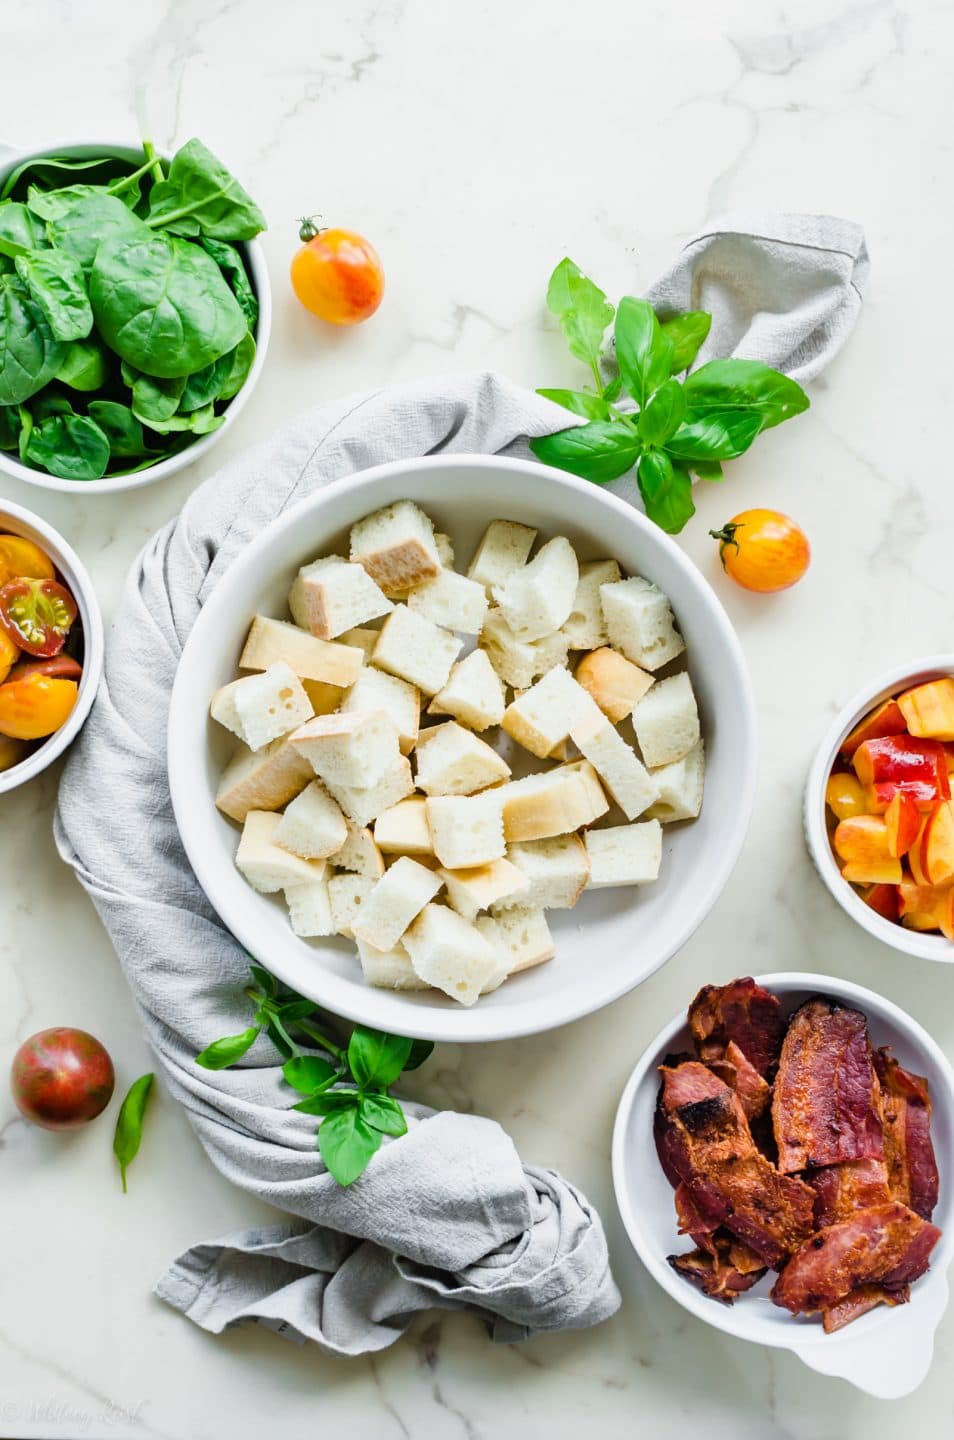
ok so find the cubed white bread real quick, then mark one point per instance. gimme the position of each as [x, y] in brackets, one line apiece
[544, 715]
[353, 749]
[521, 933]
[451, 600]
[362, 638]
[359, 853]
[556, 871]
[444, 546]
[311, 659]
[450, 953]
[624, 854]
[475, 889]
[666, 721]
[396, 546]
[313, 825]
[621, 771]
[680, 787]
[539, 598]
[332, 595]
[403, 829]
[467, 830]
[362, 804]
[347, 893]
[515, 661]
[309, 909]
[375, 689]
[615, 683]
[260, 708]
[325, 699]
[639, 622]
[585, 627]
[263, 779]
[455, 761]
[400, 894]
[552, 802]
[265, 865]
[474, 693]
[504, 548]
[389, 969]
[416, 650]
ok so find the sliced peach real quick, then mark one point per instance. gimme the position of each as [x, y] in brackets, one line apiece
[936, 845]
[844, 795]
[887, 719]
[927, 907]
[900, 762]
[883, 899]
[862, 842]
[913, 858]
[903, 819]
[929, 709]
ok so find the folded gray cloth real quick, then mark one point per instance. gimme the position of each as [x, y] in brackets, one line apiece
[446, 1216]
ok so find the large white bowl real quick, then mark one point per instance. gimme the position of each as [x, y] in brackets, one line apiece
[613, 939]
[11, 159]
[887, 1352]
[17, 521]
[892, 682]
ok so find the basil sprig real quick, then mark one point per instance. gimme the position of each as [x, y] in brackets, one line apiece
[128, 1134]
[348, 1091]
[678, 427]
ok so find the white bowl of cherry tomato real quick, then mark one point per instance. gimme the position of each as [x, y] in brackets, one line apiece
[879, 813]
[51, 645]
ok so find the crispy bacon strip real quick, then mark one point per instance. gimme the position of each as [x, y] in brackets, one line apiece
[722, 1273]
[885, 1245]
[741, 1012]
[908, 1150]
[859, 1302]
[704, 1141]
[840, 1190]
[752, 1089]
[826, 1102]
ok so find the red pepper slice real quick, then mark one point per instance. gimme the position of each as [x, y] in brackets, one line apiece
[37, 615]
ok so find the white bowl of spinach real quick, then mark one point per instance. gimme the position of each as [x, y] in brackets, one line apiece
[134, 311]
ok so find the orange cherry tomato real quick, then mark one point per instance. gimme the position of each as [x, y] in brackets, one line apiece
[8, 655]
[19, 557]
[337, 275]
[763, 550]
[11, 752]
[33, 708]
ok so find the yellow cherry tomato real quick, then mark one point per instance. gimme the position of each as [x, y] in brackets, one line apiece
[337, 275]
[11, 752]
[8, 655]
[20, 558]
[763, 550]
[33, 708]
[845, 796]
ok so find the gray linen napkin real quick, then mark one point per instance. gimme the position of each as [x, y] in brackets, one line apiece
[447, 1216]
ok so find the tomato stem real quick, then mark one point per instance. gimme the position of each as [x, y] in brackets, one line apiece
[726, 536]
[307, 229]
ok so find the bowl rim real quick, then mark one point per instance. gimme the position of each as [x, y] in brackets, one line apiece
[464, 1025]
[255, 254]
[72, 568]
[802, 1338]
[909, 942]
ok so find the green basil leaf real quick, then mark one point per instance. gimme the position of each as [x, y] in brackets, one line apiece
[667, 492]
[305, 1073]
[375, 1058]
[223, 1053]
[202, 192]
[613, 390]
[383, 1113]
[81, 218]
[241, 360]
[280, 1038]
[230, 262]
[152, 399]
[707, 469]
[128, 1133]
[163, 305]
[600, 451]
[581, 402]
[55, 280]
[328, 1101]
[29, 352]
[662, 414]
[121, 428]
[265, 981]
[347, 1142]
[582, 310]
[746, 385]
[643, 353]
[421, 1050]
[297, 1009]
[9, 427]
[71, 446]
[687, 334]
[714, 435]
[84, 366]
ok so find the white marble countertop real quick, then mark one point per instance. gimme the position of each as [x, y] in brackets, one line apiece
[476, 144]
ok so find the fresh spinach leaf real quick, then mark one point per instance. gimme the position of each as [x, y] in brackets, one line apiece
[714, 435]
[241, 360]
[687, 334]
[644, 354]
[745, 385]
[81, 218]
[84, 366]
[662, 415]
[581, 402]
[600, 451]
[375, 1058]
[49, 171]
[230, 262]
[49, 403]
[56, 281]
[198, 422]
[223, 1053]
[20, 233]
[9, 427]
[582, 310]
[71, 446]
[121, 428]
[202, 192]
[667, 492]
[128, 1135]
[29, 353]
[152, 399]
[347, 1142]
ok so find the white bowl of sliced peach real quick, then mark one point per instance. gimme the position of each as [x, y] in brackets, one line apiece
[879, 817]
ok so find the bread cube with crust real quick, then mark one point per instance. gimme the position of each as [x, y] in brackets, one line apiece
[359, 853]
[389, 969]
[467, 830]
[624, 854]
[363, 638]
[474, 693]
[403, 829]
[445, 549]
[353, 749]
[416, 650]
[521, 936]
[263, 779]
[265, 865]
[617, 764]
[309, 908]
[666, 721]
[400, 894]
[312, 825]
[640, 623]
[375, 689]
[454, 761]
[552, 802]
[452, 601]
[503, 549]
[680, 786]
[364, 803]
[615, 683]
[346, 894]
[585, 627]
[332, 595]
[396, 546]
[544, 715]
[261, 708]
[556, 871]
[270, 641]
[539, 598]
[480, 886]
[450, 953]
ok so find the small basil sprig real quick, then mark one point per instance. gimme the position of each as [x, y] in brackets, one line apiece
[128, 1134]
[678, 428]
[348, 1091]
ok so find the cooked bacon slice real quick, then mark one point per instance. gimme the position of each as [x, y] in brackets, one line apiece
[840, 1190]
[722, 1272]
[884, 1245]
[859, 1302]
[908, 1150]
[826, 1102]
[741, 1076]
[704, 1141]
[741, 1012]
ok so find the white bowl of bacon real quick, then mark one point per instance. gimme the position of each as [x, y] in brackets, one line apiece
[803, 1127]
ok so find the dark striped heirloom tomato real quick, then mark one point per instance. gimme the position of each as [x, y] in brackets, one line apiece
[62, 1078]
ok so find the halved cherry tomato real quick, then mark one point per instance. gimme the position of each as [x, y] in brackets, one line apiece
[37, 615]
[35, 707]
[8, 655]
[337, 275]
[58, 667]
[763, 550]
[20, 557]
